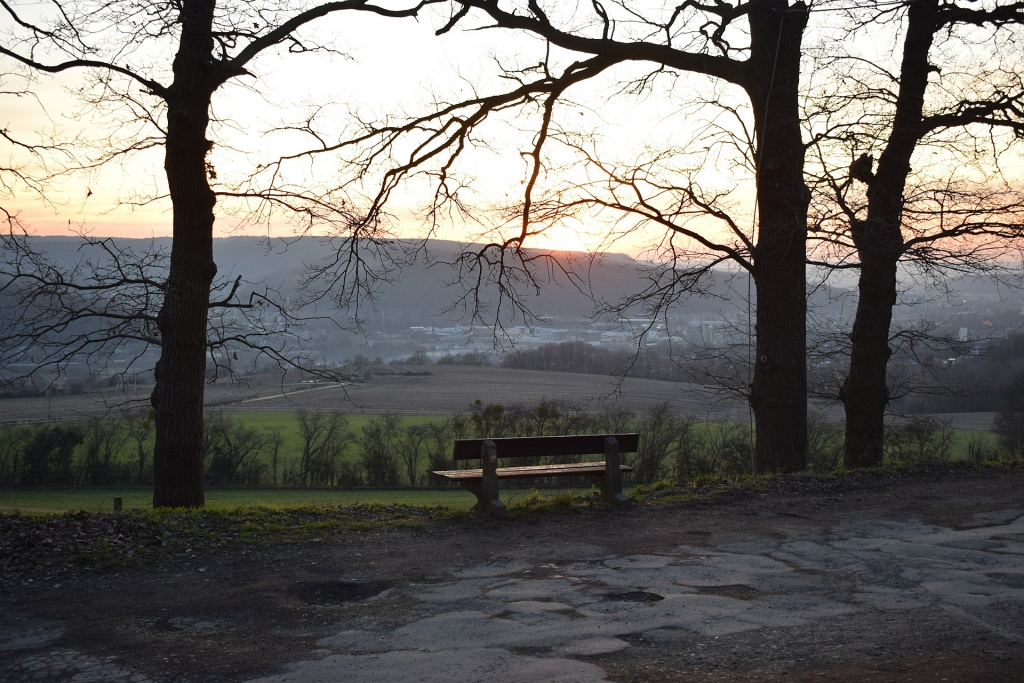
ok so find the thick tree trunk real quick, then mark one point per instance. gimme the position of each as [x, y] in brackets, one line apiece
[879, 242]
[864, 393]
[778, 394]
[181, 371]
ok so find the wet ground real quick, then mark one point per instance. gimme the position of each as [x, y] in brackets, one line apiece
[918, 578]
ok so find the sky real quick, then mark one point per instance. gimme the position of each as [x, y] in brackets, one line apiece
[388, 67]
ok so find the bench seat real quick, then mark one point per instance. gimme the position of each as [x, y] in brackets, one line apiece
[483, 482]
[577, 468]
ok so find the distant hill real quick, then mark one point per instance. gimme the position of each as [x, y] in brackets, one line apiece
[423, 290]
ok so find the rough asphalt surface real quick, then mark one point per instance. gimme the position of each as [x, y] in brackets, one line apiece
[914, 580]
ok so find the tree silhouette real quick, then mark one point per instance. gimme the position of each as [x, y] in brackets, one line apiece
[753, 48]
[935, 217]
[120, 48]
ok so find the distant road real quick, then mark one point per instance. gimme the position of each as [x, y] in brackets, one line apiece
[292, 393]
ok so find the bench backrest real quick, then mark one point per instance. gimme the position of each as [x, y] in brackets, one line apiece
[545, 446]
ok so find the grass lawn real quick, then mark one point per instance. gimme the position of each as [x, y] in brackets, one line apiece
[962, 437]
[286, 422]
[101, 499]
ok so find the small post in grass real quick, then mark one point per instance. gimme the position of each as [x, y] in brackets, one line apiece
[118, 503]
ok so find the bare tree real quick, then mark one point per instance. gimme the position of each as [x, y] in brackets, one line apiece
[380, 443]
[106, 303]
[24, 166]
[325, 438]
[767, 69]
[102, 443]
[275, 441]
[951, 227]
[410, 448]
[920, 438]
[140, 430]
[932, 216]
[661, 433]
[753, 46]
[440, 439]
[120, 48]
[231, 446]
[12, 444]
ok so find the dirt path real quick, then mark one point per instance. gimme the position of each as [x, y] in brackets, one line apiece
[915, 579]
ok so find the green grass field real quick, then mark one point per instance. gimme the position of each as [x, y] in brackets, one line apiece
[962, 437]
[285, 421]
[101, 499]
[289, 426]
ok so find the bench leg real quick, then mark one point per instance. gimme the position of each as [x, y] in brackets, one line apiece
[486, 491]
[477, 489]
[610, 483]
[483, 502]
[607, 495]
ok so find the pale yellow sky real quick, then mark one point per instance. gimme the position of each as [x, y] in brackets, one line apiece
[394, 66]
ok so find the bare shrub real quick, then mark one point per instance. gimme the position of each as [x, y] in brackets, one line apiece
[692, 458]
[275, 440]
[48, 455]
[140, 433]
[102, 440]
[824, 444]
[660, 434]
[919, 438]
[350, 474]
[438, 444]
[12, 445]
[729, 443]
[616, 420]
[232, 451]
[410, 449]
[325, 437]
[379, 457]
[979, 449]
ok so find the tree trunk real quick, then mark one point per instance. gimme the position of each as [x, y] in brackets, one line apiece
[879, 242]
[181, 371]
[865, 393]
[778, 394]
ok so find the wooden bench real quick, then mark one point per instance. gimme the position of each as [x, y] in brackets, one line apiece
[483, 483]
